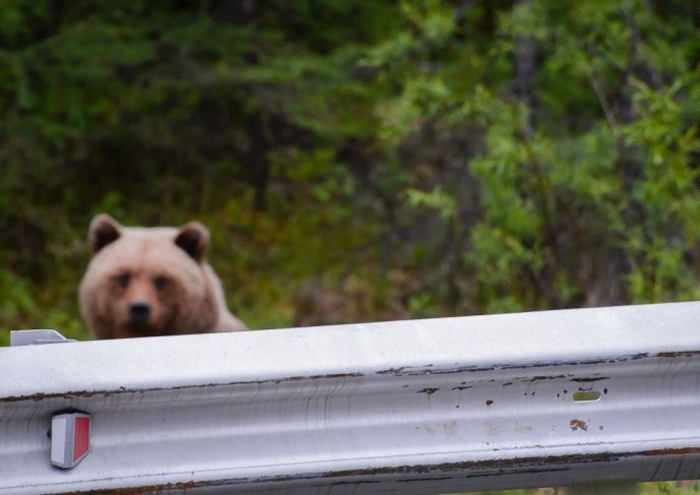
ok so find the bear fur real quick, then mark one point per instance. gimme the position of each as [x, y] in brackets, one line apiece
[151, 281]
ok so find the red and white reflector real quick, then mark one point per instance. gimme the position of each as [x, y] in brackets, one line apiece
[70, 438]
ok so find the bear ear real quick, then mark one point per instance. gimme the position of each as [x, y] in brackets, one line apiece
[103, 230]
[193, 238]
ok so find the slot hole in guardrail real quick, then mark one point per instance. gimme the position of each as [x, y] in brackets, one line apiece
[586, 396]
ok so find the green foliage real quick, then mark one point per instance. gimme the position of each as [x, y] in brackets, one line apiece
[17, 300]
[402, 159]
[585, 180]
[662, 488]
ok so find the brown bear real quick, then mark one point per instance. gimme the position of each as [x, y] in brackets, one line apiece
[151, 281]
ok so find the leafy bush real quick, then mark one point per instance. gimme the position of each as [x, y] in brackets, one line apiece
[421, 157]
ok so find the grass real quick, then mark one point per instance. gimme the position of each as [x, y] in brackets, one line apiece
[657, 488]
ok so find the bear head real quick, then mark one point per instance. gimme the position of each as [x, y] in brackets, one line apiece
[147, 281]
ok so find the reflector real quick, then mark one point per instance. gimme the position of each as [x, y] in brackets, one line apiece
[70, 438]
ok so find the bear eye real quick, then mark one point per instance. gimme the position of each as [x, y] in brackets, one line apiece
[160, 282]
[123, 280]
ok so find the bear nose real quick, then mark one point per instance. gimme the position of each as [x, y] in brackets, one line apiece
[139, 312]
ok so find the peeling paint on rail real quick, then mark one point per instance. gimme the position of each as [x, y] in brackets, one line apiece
[78, 394]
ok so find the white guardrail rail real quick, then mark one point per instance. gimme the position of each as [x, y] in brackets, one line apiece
[430, 406]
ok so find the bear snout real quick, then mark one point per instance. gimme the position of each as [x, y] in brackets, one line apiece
[139, 313]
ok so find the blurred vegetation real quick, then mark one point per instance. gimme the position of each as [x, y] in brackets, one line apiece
[662, 488]
[356, 160]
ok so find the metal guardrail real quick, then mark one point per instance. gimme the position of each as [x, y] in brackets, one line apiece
[412, 407]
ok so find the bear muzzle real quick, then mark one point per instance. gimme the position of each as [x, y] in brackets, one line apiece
[139, 314]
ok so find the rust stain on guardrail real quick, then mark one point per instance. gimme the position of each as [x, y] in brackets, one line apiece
[79, 394]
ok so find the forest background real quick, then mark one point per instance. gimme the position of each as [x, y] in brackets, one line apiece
[357, 160]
